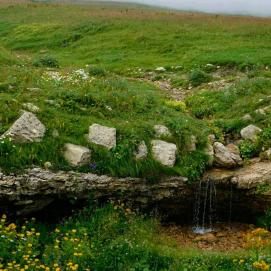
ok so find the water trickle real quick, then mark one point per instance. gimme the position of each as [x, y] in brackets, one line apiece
[205, 207]
[230, 204]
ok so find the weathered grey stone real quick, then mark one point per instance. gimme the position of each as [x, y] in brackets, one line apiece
[26, 129]
[76, 155]
[142, 151]
[211, 138]
[192, 144]
[102, 135]
[55, 133]
[47, 165]
[247, 117]
[209, 150]
[161, 130]
[35, 188]
[226, 157]
[164, 152]
[247, 177]
[31, 107]
[250, 132]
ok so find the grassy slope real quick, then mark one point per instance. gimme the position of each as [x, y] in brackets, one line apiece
[118, 39]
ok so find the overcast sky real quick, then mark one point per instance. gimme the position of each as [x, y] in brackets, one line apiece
[251, 7]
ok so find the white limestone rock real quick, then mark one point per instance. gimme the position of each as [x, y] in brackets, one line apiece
[26, 129]
[226, 157]
[31, 107]
[77, 155]
[192, 144]
[161, 131]
[142, 151]
[102, 135]
[164, 152]
[250, 132]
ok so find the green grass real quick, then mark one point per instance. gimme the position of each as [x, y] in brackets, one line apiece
[121, 44]
[109, 238]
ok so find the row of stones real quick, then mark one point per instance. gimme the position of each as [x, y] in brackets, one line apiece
[28, 128]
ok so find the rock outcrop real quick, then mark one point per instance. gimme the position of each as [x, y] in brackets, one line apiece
[248, 189]
[36, 188]
[249, 177]
[26, 129]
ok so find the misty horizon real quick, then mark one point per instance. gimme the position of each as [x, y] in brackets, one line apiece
[234, 7]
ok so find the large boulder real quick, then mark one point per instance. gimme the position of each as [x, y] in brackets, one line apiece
[142, 151]
[102, 135]
[250, 132]
[226, 157]
[26, 129]
[76, 155]
[164, 152]
[161, 131]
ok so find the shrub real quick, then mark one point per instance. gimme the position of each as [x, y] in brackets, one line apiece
[198, 77]
[46, 61]
[265, 137]
[177, 105]
[248, 149]
[96, 71]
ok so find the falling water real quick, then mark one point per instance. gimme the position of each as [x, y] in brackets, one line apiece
[205, 207]
[230, 205]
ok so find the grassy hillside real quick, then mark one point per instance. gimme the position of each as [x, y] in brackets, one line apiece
[85, 64]
[119, 49]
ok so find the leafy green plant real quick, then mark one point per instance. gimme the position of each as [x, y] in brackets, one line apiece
[96, 71]
[198, 77]
[46, 61]
[248, 149]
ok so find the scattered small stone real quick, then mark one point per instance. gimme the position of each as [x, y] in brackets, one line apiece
[161, 131]
[102, 135]
[142, 151]
[192, 144]
[47, 165]
[31, 107]
[160, 69]
[55, 133]
[164, 152]
[76, 155]
[247, 117]
[250, 132]
[34, 89]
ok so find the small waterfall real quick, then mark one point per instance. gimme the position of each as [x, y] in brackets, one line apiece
[230, 204]
[204, 214]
